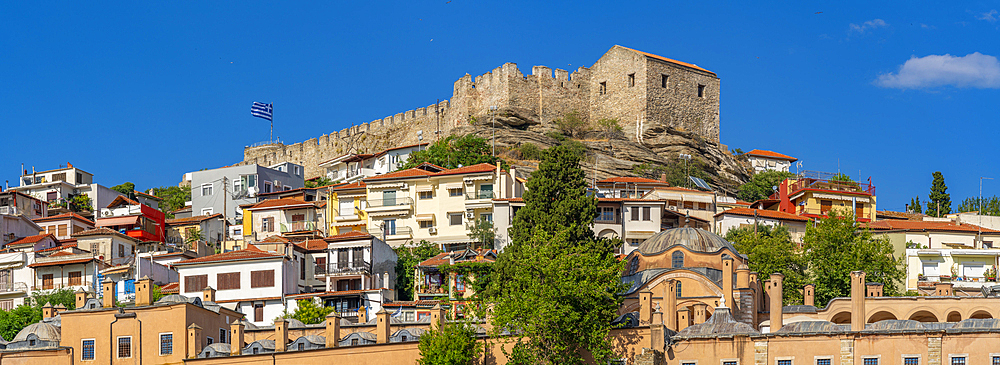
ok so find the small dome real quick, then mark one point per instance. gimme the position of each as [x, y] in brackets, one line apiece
[695, 239]
[721, 323]
[44, 331]
[895, 325]
[977, 323]
[294, 323]
[314, 339]
[810, 327]
[177, 298]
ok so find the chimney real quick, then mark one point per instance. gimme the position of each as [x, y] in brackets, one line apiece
[700, 313]
[144, 292]
[437, 317]
[362, 315]
[81, 298]
[69, 165]
[280, 335]
[656, 332]
[47, 311]
[332, 329]
[857, 300]
[108, 292]
[663, 177]
[809, 295]
[236, 337]
[727, 280]
[670, 306]
[382, 328]
[59, 308]
[645, 307]
[943, 289]
[683, 318]
[208, 295]
[758, 297]
[873, 289]
[776, 295]
[194, 341]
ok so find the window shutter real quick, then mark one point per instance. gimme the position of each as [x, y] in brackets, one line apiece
[262, 279]
[645, 213]
[635, 213]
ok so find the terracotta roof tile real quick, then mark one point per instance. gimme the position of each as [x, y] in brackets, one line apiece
[64, 216]
[181, 210]
[280, 203]
[354, 185]
[773, 214]
[57, 248]
[249, 253]
[58, 263]
[685, 64]
[33, 239]
[771, 154]
[352, 235]
[170, 288]
[124, 199]
[899, 215]
[402, 174]
[477, 168]
[444, 258]
[418, 172]
[312, 245]
[194, 219]
[275, 239]
[908, 225]
[631, 179]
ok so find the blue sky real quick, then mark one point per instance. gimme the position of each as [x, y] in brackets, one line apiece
[146, 93]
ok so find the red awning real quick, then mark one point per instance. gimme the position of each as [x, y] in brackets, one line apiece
[118, 221]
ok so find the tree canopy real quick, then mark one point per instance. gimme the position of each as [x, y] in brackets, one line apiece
[319, 181]
[770, 250]
[13, 321]
[939, 202]
[986, 206]
[173, 197]
[309, 313]
[453, 151]
[914, 205]
[408, 258]
[483, 233]
[842, 177]
[556, 284]
[127, 188]
[762, 185]
[452, 344]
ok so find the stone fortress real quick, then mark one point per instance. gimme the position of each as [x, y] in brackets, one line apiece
[641, 90]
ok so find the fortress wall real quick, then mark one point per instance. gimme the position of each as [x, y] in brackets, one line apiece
[678, 105]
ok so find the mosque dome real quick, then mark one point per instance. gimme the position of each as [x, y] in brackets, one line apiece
[44, 331]
[695, 239]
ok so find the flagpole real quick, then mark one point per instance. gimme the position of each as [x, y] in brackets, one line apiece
[271, 136]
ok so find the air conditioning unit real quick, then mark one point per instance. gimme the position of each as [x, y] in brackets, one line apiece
[469, 182]
[470, 215]
[432, 230]
[672, 207]
[405, 186]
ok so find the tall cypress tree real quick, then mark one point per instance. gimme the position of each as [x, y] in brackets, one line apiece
[555, 285]
[915, 205]
[939, 202]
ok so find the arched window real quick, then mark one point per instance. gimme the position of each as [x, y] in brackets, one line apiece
[633, 265]
[678, 288]
[677, 258]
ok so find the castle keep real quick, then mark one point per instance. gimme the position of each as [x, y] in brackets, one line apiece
[641, 90]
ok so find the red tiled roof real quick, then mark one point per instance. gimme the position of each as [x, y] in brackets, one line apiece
[32, 239]
[58, 263]
[773, 214]
[771, 154]
[64, 216]
[630, 200]
[402, 174]
[354, 185]
[907, 225]
[444, 258]
[661, 58]
[249, 253]
[63, 246]
[899, 215]
[379, 154]
[312, 245]
[187, 208]
[631, 179]
[64, 253]
[118, 221]
[122, 198]
[417, 172]
[170, 288]
[413, 303]
[477, 168]
[275, 239]
[280, 203]
[194, 219]
[352, 235]
[154, 197]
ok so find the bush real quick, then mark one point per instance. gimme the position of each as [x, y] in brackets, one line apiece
[529, 151]
[571, 124]
[452, 344]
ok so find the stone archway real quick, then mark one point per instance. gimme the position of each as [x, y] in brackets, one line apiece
[608, 233]
[841, 318]
[981, 314]
[954, 316]
[923, 316]
[881, 316]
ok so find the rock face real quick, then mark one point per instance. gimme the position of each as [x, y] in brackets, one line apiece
[617, 156]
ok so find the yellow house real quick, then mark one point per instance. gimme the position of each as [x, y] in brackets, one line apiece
[816, 197]
[346, 208]
[433, 203]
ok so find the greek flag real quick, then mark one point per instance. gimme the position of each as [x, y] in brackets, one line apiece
[261, 110]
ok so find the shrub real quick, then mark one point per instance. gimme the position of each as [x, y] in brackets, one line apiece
[529, 151]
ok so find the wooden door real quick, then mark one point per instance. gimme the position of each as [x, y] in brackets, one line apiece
[47, 281]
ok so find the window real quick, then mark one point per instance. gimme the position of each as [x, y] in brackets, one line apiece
[195, 283]
[88, 350]
[7, 304]
[426, 224]
[455, 219]
[459, 283]
[47, 281]
[425, 195]
[297, 170]
[388, 198]
[677, 259]
[267, 224]
[258, 312]
[455, 192]
[870, 361]
[207, 211]
[62, 230]
[50, 196]
[729, 363]
[228, 280]
[124, 347]
[663, 81]
[354, 342]
[75, 278]
[606, 214]
[262, 279]
[958, 360]
[302, 268]
[268, 186]
[358, 256]
[916, 360]
[237, 185]
[701, 94]
[996, 360]
[822, 361]
[121, 250]
[784, 362]
[298, 217]
[679, 289]
[206, 189]
[389, 226]
[634, 241]
[302, 346]
[603, 88]
[166, 344]
[210, 340]
[486, 217]
[222, 335]
[635, 213]
[645, 213]
[631, 79]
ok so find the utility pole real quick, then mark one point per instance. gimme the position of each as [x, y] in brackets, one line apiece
[437, 119]
[225, 211]
[493, 112]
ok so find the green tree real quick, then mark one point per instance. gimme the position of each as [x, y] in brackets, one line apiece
[408, 256]
[915, 205]
[610, 128]
[939, 202]
[836, 246]
[762, 185]
[80, 203]
[452, 344]
[483, 233]
[127, 188]
[842, 177]
[173, 197]
[571, 124]
[556, 283]
[193, 237]
[529, 151]
[318, 182]
[770, 250]
[453, 151]
[13, 321]
[309, 313]
[986, 206]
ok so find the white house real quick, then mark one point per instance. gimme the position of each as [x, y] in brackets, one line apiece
[356, 166]
[764, 160]
[746, 217]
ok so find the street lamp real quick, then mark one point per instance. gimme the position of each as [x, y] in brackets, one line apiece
[687, 173]
[493, 113]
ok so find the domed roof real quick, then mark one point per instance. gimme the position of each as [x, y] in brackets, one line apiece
[721, 323]
[44, 331]
[810, 326]
[695, 239]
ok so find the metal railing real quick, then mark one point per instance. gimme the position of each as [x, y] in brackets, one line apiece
[481, 194]
[845, 210]
[61, 286]
[398, 231]
[9, 286]
[398, 201]
[297, 226]
[335, 269]
[848, 186]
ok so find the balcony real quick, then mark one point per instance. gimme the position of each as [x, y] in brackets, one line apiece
[831, 185]
[298, 226]
[9, 210]
[349, 215]
[862, 215]
[479, 199]
[393, 233]
[68, 285]
[389, 206]
[343, 270]
[13, 287]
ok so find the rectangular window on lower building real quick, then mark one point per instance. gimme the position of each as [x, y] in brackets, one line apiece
[958, 360]
[911, 361]
[822, 361]
[88, 350]
[729, 363]
[124, 347]
[784, 362]
[166, 343]
[870, 361]
[996, 360]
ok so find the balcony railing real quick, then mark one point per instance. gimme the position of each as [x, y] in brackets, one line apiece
[481, 194]
[353, 212]
[8, 287]
[398, 231]
[393, 202]
[833, 185]
[8, 210]
[335, 269]
[53, 286]
[297, 226]
[860, 214]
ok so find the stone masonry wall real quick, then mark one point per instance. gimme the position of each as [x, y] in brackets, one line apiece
[638, 106]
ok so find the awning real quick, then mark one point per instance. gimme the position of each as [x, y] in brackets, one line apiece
[118, 221]
[425, 188]
[482, 177]
[350, 223]
[841, 197]
[386, 213]
[639, 234]
[697, 198]
[453, 186]
[116, 270]
[11, 260]
[425, 217]
[386, 186]
[975, 253]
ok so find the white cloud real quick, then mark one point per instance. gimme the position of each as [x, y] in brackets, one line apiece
[990, 16]
[866, 26]
[974, 70]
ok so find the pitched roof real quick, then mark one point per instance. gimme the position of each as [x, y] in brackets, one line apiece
[631, 179]
[275, 239]
[676, 62]
[445, 257]
[281, 203]
[99, 231]
[907, 225]
[33, 239]
[58, 263]
[171, 288]
[194, 219]
[70, 215]
[249, 253]
[121, 198]
[402, 174]
[418, 172]
[773, 214]
[312, 245]
[771, 154]
[183, 209]
[354, 185]
[150, 196]
[57, 248]
[352, 235]
[477, 168]
[899, 215]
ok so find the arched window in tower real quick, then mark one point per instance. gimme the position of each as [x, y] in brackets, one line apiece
[677, 259]
[633, 265]
[678, 288]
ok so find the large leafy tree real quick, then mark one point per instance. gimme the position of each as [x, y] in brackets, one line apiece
[318, 182]
[483, 233]
[127, 188]
[408, 258]
[770, 250]
[454, 151]
[762, 185]
[309, 313]
[939, 202]
[836, 246]
[555, 285]
[173, 197]
[13, 321]
[452, 344]
[914, 205]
